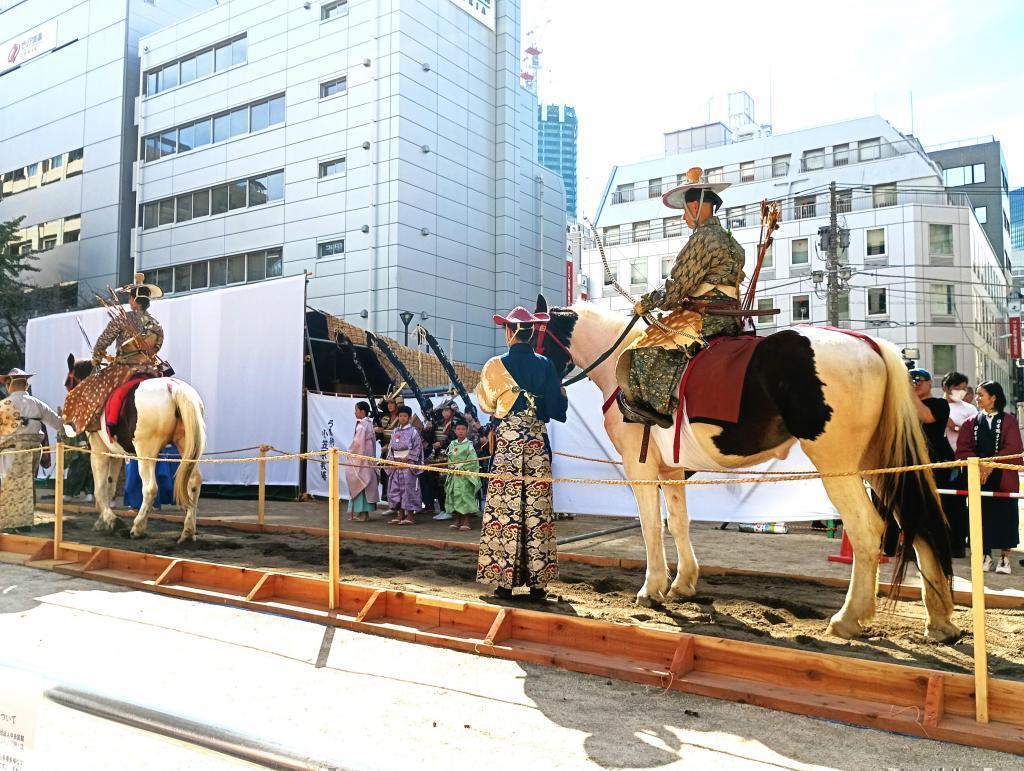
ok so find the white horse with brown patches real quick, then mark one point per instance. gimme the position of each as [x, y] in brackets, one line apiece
[159, 412]
[849, 406]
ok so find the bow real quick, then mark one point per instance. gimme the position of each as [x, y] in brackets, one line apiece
[344, 341]
[448, 368]
[425, 404]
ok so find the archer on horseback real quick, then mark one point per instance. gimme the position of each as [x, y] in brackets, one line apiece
[705, 277]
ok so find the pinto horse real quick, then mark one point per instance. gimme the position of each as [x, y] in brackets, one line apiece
[849, 406]
[160, 411]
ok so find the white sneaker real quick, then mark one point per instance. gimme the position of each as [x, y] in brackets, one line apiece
[987, 565]
[1003, 566]
[444, 515]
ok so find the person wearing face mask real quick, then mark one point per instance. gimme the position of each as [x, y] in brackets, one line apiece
[955, 389]
[995, 433]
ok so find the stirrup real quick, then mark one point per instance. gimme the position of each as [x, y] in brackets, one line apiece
[639, 413]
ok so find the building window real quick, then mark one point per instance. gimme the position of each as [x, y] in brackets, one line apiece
[332, 87]
[716, 175]
[883, 195]
[673, 226]
[940, 240]
[941, 299]
[769, 257]
[747, 171]
[666, 267]
[623, 193]
[163, 278]
[766, 304]
[957, 176]
[800, 254]
[981, 212]
[804, 207]
[332, 248]
[943, 359]
[870, 149]
[736, 217]
[44, 172]
[877, 305]
[814, 159]
[237, 194]
[875, 238]
[333, 10]
[801, 307]
[840, 155]
[844, 201]
[638, 272]
[654, 188]
[780, 165]
[611, 236]
[221, 271]
[195, 65]
[642, 231]
[843, 301]
[49, 242]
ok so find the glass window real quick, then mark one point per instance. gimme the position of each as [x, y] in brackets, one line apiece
[236, 194]
[164, 279]
[169, 142]
[638, 272]
[979, 174]
[70, 236]
[221, 125]
[182, 278]
[334, 248]
[666, 267]
[673, 226]
[186, 140]
[769, 257]
[170, 76]
[57, 161]
[804, 206]
[954, 177]
[736, 217]
[151, 83]
[814, 159]
[801, 308]
[875, 241]
[223, 57]
[277, 110]
[188, 70]
[940, 240]
[330, 168]
[332, 87]
[150, 216]
[877, 305]
[275, 265]
[167, 211]
[780, 165]
[201, 203]
[642, 231]
[941, 299]
[49, 242]
[747, 171]
[256, 263]
[765, 304]
[257, 191]
[76, 155]
[333, 10]
[204, 63]
[275, 186]
[870, 149]
[943, 358]
[184, 208]
[33, 169]
[202, 133]
[800, 255]
[259, 116]
[219, 200]
[840, 155]
[239, 121]
[218, 272]
[236, 269]
[152, 148]
[238, 51]
[883, 195]
[199, 279]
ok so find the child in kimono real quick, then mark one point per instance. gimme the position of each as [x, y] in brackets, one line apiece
[406, 446]
[460, 491]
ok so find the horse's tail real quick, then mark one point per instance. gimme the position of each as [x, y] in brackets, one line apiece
[190, 409]
[911, 494]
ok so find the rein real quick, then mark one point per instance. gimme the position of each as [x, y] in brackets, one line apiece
[600, 359]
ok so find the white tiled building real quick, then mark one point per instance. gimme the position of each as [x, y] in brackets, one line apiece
[385, 147]
[924, 273]
[69, 74]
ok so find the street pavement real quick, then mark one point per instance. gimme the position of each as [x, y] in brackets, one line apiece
[329, 697]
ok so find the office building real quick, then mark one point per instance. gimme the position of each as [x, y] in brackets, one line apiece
[925, 274]
[69, 77]
[557, 132]
[386, 149]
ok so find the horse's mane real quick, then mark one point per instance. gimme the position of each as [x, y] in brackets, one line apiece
[598, 316]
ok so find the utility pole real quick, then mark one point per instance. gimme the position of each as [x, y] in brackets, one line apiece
[832, 261]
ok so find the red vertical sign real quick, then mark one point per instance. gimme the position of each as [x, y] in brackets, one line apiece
[568, 282]
[1014, 337]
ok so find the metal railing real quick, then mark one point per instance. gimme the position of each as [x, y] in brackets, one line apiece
[982, 140]
[853, 155]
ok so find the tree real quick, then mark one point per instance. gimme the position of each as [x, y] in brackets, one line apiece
[16, 295]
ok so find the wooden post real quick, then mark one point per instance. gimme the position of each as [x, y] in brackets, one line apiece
[977, 591]
[58, 500]
[333, 536]
[261, 499]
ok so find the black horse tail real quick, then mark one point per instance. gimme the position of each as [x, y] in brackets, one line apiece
[911, 497]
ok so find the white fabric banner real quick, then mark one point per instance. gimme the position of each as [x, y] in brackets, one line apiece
[240, 347]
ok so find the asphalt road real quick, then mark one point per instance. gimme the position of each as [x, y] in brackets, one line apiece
[306, 695]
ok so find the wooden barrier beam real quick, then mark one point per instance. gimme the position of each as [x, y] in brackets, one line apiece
[58, 499]
[261, 495]
[375, 607]
[935, 700]
[333, 523]
[977, 591]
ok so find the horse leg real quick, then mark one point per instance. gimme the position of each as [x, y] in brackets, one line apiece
[863, 526]
[147, 472]
[104, 481]
[687, 570]
[188, 530]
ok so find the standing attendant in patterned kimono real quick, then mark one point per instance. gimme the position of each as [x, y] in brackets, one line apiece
[23, 417]
[460, 491]
[361, 476]
[706, 275]
[523, 391]
[406, 446]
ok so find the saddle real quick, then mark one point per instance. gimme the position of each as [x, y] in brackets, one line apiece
[115, 403]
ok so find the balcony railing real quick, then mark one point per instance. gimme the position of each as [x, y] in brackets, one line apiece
[857, 155]
[757, 173]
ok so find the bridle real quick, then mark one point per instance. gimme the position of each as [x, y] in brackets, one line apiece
[543, 333]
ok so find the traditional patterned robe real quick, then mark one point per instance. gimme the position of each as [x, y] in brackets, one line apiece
[403, 488]
[18, 472]
[361, 476]
[460, 491]
[517, 539]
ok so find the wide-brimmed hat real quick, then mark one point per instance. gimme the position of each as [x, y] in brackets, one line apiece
[16, 374]
[519, 315]
[696, 179]
[141, 289]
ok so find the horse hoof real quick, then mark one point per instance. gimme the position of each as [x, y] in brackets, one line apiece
[844, 629]
[942, 633]
[137, 535]
[186, 539]
[647, 602]
[683, 591]
[104, 527]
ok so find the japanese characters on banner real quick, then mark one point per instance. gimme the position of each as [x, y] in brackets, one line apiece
[28, 45]
[1014, 337]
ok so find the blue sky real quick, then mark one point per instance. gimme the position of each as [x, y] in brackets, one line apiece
[635, 70]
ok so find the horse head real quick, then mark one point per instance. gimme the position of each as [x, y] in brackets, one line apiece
[555, 339]
[78, 370]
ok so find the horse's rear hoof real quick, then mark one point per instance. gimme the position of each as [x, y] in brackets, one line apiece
[844, 629]
[184, 539]
[136, 536]
[943, 633]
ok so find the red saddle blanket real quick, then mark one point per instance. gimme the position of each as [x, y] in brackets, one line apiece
[712, 384]
[112, 410]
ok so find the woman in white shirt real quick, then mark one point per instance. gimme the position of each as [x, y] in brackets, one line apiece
[955, 388]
